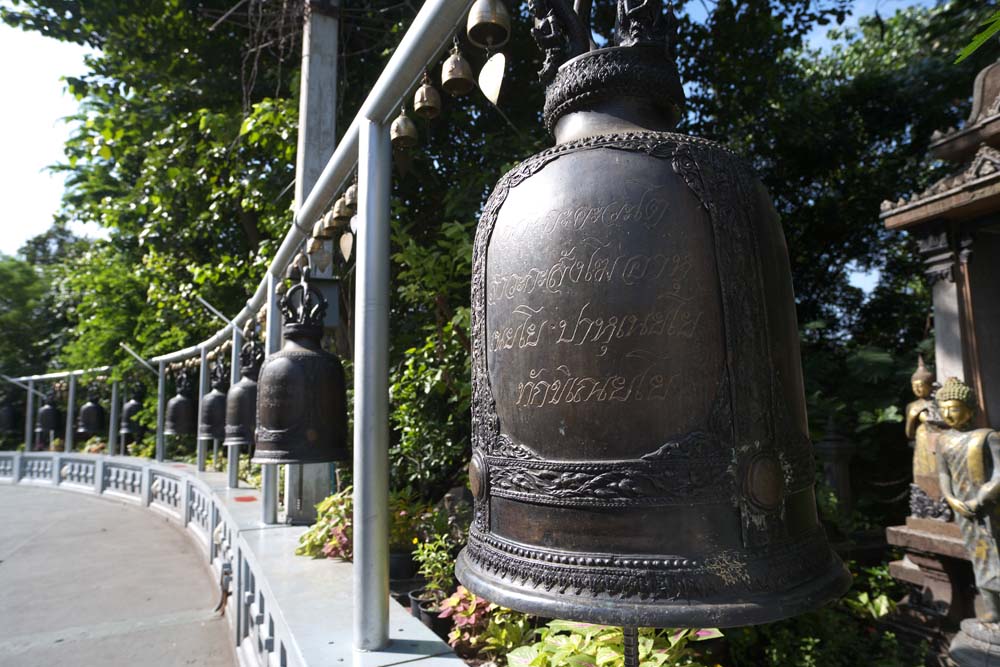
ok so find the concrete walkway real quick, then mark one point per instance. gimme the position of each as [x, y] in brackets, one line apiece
[89, 581]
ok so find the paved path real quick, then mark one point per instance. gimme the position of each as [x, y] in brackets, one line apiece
[89, 581]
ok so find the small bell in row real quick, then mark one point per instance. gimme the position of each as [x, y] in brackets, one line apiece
[181, 417]
[241, 401]
[213, 406]
[402, 132]
[92, 419]
[488, 26]
[427, 100]
[456, 74]
[9, 418]
[301, 394]
[130, 430]
[47, 422]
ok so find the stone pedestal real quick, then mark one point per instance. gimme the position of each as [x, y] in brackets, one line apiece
[977, 645]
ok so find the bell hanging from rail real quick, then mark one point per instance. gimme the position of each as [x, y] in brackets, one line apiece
[9, 418]
[342, 212]
[456, 74]
[403, 134]
[47, 422]
[182, 414]
[427, 99]
[241, 401]
[351, 197]
[488, 26]
[213, 407]
[301, 395]
[641, 454]
[91, 420]
[130, 430]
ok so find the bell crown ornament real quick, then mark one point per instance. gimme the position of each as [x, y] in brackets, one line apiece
[251, 352]
[303, 308]
[641, 453]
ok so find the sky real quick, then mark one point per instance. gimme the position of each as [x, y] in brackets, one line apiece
[33, 132]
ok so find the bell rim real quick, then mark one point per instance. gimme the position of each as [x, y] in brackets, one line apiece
[754, 609]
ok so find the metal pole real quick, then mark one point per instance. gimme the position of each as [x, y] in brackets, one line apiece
[234, 376]
[371, 392]
[113, 421]
[269, 471]
[202, 390]
[142, 361]
[70, 408]
[29, 416]
[161, 408]
[26, 387]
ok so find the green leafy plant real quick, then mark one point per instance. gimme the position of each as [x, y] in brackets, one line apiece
[571, 644]
[506, 630]
[991, 26]
[332, 535]
[470, 615]
[436, 559]
[406, 517]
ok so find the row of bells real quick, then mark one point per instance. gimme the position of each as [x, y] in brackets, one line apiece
[91, 421]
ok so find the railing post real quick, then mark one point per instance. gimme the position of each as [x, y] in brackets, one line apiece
[233, 451]
[70, 408]
[202, 390]
[147, 483]
[186, 502]
[269, 471]
[161, 405]
[99, 475]
[56, 469]
[371, 391]
[18, 467]
[113, 421]
[29, 409]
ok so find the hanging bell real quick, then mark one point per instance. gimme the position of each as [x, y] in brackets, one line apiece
[91, 419]
[342, 212]
[9, 419]
[241, 401]
[488, 26]
[47, 422]
[351, 197]
[427, 100]
[320, 231]
[641, 453]
[456, 74]
[182, 415]
[213, 407]
[130, 430]
[403, 134]
[301, 395]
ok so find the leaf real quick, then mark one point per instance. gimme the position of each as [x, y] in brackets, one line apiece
[522, 656]
[993, 26]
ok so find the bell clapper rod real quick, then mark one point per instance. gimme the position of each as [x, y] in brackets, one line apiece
[630, 640]
[26, 387]
[142, 361]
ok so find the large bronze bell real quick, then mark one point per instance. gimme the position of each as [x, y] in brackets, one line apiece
[641, 455]
[130, 430]
[241, 401]
[47, 421]
[182, 414]
[213, 407]
[488, 26]
[91, 420]
[301, 395]
[456, 74]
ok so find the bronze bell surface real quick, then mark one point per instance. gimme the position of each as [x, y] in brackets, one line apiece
[641, 454]
[213, 408]
[456, 74]
[427, 99]
[91, 420]
[130, 430]
[402, 133]
[301, 395]
[47, 421]
[182, 414]
[488, 25]
[241, 401]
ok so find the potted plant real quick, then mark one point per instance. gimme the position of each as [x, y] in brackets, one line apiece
[404, 523]
[332, 535]
[437, 567]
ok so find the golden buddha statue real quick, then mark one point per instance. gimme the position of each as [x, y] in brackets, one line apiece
[920, 415]
[969, 475]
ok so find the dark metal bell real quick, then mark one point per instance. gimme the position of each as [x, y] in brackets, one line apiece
[9, 419]
[641, 454]
[213, 407]
[182, 414]
[130, 430]
[301, 396]
[47, 421]
[91, 420]
[241, 401]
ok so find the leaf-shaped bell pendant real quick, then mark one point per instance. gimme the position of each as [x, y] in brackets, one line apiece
[403, 134]
[427, 100]
[488, 26]
[456, 74]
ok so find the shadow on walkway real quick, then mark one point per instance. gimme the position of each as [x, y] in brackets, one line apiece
[87, 581]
